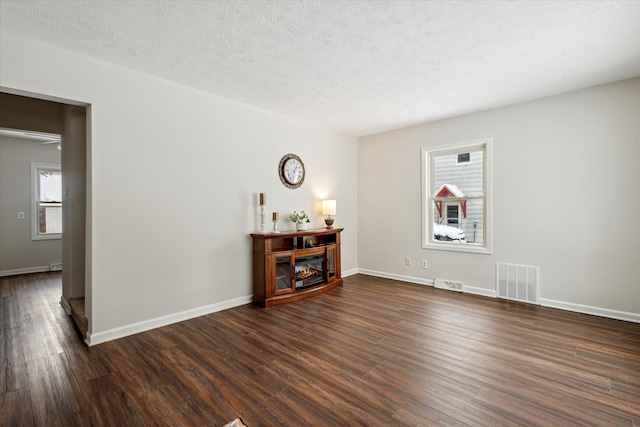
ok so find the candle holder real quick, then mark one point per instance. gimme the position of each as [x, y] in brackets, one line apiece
[263, 226]
[274, 217]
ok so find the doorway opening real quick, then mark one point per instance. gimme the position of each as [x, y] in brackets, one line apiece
[51, 216]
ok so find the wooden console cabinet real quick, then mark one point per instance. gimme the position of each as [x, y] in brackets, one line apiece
[293, 265]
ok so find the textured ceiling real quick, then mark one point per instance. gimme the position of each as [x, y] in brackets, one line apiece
[359, 67]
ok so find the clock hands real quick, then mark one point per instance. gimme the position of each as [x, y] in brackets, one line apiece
[294, 171]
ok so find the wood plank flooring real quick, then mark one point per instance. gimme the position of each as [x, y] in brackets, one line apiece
[374, 352]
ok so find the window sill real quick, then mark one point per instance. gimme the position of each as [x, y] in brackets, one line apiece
[47, 237]
[458, 247]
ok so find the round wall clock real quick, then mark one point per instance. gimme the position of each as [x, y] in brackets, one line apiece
[291, 171]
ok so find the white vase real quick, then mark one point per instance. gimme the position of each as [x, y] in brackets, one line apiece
[301, 226]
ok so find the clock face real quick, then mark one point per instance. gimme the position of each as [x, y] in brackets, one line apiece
[291, 171]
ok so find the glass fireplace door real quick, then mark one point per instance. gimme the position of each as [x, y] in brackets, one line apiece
[283, 274]
[309, 269]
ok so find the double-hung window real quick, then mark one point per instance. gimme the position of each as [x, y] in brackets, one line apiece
[456, 196]
[46, 200]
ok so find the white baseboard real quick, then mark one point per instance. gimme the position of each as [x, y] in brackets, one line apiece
[595, 311]
[491, 293]
[428, 282]
[350, 272]
[410, 279]
[123, 331]
[28, 270]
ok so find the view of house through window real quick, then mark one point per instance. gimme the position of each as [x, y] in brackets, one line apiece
[47, 212]
[456, 200]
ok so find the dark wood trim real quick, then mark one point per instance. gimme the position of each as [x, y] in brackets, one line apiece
[298, 295]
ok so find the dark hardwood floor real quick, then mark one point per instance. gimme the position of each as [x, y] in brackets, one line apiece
[374, 352]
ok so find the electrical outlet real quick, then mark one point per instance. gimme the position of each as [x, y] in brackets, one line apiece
[407, 260]
[424, 263]
[20, 215]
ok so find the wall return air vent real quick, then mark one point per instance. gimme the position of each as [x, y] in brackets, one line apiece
[518, 282]
[448, 284]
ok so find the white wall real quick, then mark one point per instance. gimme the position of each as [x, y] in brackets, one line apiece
[558, 163]
[18, 253]
[174, 175]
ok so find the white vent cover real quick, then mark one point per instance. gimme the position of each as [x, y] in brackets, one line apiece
[518, 282]
[448, 284]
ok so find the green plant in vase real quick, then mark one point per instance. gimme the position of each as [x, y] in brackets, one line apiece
[301, 219]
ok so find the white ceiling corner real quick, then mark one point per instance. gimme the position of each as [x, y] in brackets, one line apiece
[359, 67]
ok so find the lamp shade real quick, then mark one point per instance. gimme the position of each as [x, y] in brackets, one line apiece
[328, 207]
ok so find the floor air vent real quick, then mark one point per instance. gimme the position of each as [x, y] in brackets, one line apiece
[448, 284]
[518, 282]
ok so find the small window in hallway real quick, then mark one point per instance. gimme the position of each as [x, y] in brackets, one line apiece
[47, 202]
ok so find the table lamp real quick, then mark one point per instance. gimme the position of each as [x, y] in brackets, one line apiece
[328, 208]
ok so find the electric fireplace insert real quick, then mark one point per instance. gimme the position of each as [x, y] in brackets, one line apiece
[309, 270]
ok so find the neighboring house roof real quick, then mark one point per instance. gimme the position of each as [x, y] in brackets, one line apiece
[449, 190]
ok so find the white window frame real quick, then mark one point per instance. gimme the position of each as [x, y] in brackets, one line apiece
[35, 203]
[427, 156]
